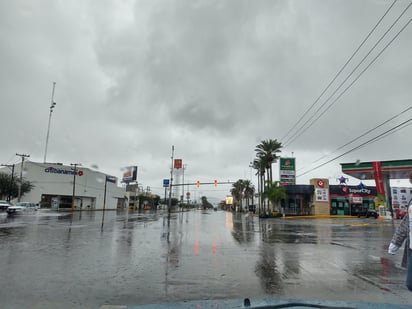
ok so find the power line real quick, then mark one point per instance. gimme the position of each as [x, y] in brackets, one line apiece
[365, 133]
[357, 77]
[302, 128]
[398, 129]
[340, 71]
[372, 140]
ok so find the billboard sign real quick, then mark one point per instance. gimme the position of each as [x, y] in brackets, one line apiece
[129, 174]
[111, 179]
[229, 200]
[321, 190]
[321, 195]
[287, 171]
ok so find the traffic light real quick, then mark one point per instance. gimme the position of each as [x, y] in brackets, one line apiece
[198, 183]
[215, 182]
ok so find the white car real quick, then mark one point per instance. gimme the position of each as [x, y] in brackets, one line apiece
[22, 207]
[4, 205]
[28, 205]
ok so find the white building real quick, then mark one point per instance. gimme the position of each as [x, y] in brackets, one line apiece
[53, 186]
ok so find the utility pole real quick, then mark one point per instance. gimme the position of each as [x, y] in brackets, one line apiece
[52, 105]
[171, 182]
[183, 182]
[11, 180]
[74, 181]
[21, 172]
[104, 199]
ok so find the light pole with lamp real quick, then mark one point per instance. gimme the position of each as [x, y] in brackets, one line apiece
[74, 168]
[52, 105]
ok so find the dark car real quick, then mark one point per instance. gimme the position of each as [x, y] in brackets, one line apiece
[252, 208]
[372, 213]
[369, 213]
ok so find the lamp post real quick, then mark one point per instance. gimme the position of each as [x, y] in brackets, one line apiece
[52, 105]
[74, 168]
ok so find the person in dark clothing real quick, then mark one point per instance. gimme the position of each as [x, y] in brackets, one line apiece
[402, 233]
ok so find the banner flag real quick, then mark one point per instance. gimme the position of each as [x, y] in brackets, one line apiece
[377, 172]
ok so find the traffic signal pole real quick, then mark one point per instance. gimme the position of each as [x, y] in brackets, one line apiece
[171, 183]
[203, 183]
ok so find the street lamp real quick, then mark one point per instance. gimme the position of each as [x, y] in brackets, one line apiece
[74, 168]
[52, 105]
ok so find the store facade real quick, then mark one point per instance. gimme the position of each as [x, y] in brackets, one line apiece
[351, 200]
[299, 201]
[55, 183]
[321, 198]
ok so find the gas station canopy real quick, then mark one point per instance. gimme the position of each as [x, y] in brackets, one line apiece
[398, 169]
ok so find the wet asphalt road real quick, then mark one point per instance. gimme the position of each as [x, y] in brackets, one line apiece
[85, 260]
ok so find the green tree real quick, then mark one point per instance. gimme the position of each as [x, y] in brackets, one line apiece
[237, 192]
[205, 203]
[267, 152]
[9, 186]
[274, 192]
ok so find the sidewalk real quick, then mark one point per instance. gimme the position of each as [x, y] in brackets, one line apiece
[318, 217]
[380, 218]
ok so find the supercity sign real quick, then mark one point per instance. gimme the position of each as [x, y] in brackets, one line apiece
[356, 190]
[53, 170]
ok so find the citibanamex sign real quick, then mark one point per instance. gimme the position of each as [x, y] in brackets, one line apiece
[53, 170]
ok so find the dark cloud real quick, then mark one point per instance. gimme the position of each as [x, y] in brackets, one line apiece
[213, 78]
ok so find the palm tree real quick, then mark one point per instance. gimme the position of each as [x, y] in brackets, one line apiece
[259, 166]
[275, 193]
[248, 191]
[267, 152]
[237, 192]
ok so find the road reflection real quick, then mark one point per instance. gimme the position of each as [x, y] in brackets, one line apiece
[132, 257]
[243, 230]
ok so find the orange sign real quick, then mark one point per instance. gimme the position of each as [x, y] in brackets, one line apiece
[178, 163]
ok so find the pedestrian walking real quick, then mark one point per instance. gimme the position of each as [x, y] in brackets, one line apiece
[402, 233]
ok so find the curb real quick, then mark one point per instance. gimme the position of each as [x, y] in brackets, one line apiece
[320, 217]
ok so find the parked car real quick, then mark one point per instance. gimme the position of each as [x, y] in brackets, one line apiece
[400, 213]
[365, 212]
[4, 205]
[369, 213]
[28, 205]
[22, 207]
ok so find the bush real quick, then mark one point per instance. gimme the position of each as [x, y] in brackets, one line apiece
[273, 214]
[276, 214]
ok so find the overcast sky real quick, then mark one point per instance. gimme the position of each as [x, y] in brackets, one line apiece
[212, 78]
